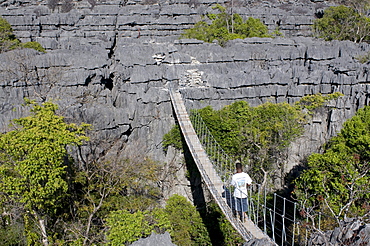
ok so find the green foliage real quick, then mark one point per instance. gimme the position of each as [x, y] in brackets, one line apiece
[33, 155]
[259, 136]
[179, 217]
[255, 135]
[33, 45]
[126, 227]
[187, 225]
[225, 27]
[365, 58]
[343, 23]
[173, 138]
[312, 102]
[223, 233]
[117, 185]
[337, 180]
[8, 41]
[12, 235]
[33, 159]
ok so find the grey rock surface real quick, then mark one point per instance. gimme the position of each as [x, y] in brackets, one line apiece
[352, 232]
[155, 239]
[147, 20]
[111, 66]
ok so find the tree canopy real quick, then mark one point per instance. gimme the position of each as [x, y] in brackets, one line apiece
[225, 27]
[179, 217]
[47, 198]
[343, 23]
[8, 40]
[336, 181]
[33, 160]
[257, 136]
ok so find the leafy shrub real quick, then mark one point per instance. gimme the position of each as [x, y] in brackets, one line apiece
[336, 181]
[8, 41]
[225, 27]
[342, 23]
[258, 135]
[187, 225]
[33, 45]
[173, 138]
[312, 102]
[126, 227]
[179, 217]
[364, 58]
[12, 234]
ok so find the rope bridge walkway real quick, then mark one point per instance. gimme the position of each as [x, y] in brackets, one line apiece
[275, 216]
[248, 230]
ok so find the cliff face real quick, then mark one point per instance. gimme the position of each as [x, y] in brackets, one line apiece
[111, 66]
[62, 24]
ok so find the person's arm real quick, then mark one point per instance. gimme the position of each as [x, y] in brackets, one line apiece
[249, 180]
[233, 181]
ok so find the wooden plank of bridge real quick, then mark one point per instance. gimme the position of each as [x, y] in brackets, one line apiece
[203, 162]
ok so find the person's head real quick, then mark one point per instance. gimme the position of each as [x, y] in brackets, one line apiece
[239, 167]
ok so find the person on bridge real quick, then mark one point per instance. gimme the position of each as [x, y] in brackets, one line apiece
[240, 180]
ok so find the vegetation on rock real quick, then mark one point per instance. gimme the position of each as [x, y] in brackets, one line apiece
[172, 138]
[8, 40]
[225, 27]
[47, 198]
[33, 165]
[343, 23]
[336, 181]
[179, 217]
[258, 136]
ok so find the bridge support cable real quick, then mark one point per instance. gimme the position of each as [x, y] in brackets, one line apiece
[248, 230]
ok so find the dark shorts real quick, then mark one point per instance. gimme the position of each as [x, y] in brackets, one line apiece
[241, 204]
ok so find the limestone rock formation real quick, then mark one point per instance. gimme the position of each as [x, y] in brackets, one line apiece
[155, 239]
[111, 65]
[352, 232]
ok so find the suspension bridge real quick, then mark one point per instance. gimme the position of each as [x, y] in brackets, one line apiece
[266, 220]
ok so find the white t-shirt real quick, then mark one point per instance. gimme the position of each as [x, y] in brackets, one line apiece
[240, 182]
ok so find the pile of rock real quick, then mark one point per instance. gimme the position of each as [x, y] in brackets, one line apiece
[351, 232]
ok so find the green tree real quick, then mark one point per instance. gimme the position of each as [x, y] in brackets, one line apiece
[33, 45]
[126, 227]
[33, 163]
[225, 27]
[342, 23]
[173, 138]
[336, 181]
[187, 225]
[258, 135]
[8, 40]
[179, 217]
[123, 185]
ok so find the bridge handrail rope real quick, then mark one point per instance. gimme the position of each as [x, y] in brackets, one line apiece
[222, 162]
